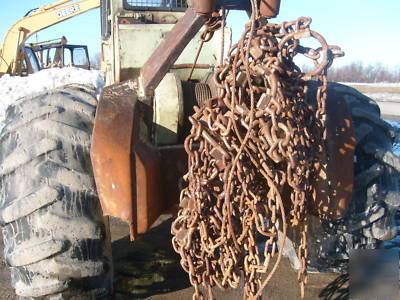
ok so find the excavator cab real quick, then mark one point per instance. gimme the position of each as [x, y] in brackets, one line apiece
[58, 53]
[30, 63]
[50, 56]
[61, 55]
[17, 59]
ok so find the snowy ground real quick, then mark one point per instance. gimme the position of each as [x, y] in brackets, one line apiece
[376, 84]
[14, 87]
[380, 91]
[396, 126]
[384, 96]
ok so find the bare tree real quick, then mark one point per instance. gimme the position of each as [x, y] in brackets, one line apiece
[358, 72]
[95, 61]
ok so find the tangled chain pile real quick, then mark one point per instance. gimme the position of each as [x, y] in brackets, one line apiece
[251, 155]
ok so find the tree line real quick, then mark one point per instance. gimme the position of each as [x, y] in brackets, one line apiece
[359, 72]
[353, 72]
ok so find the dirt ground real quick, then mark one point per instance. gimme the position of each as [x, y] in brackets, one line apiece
[283, 285]
[149, 269]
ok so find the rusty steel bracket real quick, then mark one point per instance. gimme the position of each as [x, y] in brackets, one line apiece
[334, 181]
[127, 169]
[168, 51]
[111, 152]
[270, 8]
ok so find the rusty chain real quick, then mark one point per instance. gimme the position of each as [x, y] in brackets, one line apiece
[214, 22]
[252, 151]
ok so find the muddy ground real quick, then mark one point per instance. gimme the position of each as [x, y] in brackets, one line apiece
[149, 269]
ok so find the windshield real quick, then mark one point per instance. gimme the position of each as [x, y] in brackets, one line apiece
[32, 59]
[80, 57]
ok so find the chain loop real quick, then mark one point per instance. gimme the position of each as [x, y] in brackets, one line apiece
[250, 153]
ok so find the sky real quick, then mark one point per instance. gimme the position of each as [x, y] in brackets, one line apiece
[367, 30]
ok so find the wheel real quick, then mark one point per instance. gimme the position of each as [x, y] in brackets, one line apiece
[370, 218]
[54, 235]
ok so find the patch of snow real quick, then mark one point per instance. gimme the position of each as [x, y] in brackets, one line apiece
[396, 145]
[395, 124]
[384, 96]
[15, 87]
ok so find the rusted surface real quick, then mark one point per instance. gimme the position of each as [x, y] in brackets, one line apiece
[341, 146]
[111, 151]
[170, 48]
[204, 7]
[129, 73]
[130, 173]
[127, 20]
[187, 66]
[126, 171]
[252, 153]
[334, 178]
[173, 166]
[158, 173]
[149, 187]
[270, 8]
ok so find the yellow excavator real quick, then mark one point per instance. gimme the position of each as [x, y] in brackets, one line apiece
[17, 59]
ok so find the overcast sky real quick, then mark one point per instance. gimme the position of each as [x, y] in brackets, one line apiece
[367, 30]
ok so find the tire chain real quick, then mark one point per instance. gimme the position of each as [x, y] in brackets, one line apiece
[249, 148]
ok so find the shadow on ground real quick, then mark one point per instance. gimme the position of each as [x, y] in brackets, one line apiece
[148, 266]
[337, 289]
[150, 269]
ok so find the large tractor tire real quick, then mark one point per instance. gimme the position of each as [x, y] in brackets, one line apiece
[54, 235]
[376, 194]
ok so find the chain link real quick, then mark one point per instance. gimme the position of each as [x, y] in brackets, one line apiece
[252, 151]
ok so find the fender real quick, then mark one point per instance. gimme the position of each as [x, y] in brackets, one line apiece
[128, 169]
[126, 177]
